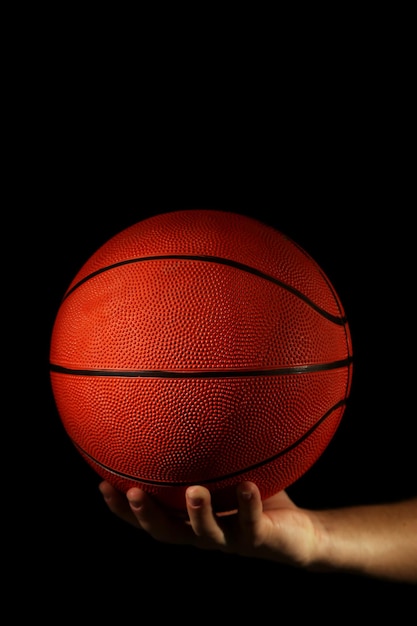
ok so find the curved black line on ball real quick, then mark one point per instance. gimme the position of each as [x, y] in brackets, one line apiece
[212, 259]
[213, 479]
[208, 373]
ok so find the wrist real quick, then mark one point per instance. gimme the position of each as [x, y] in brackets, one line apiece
[330, 547]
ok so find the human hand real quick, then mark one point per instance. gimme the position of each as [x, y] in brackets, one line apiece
[274, 528]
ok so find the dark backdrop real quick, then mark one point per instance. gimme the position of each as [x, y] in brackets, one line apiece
[314, 135]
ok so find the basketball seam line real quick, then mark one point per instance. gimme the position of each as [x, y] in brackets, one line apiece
[212, 259]
[209, 373]
[250, 468]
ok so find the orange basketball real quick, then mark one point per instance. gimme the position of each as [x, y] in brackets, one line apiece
[200, 347]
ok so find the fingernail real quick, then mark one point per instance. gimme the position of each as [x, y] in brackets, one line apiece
[134, 501]
[246, 495]
[104, 495]
[194, 500]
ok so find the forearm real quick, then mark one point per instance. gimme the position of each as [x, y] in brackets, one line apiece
[378, 541]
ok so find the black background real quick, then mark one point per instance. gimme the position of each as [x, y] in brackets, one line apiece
[331, 170]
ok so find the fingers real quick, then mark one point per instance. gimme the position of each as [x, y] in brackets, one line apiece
[156, 521]
[229, 532]
[138, 509]
[242, 532]
[250, 518]
[117, 503]
[202, 519]
[203, 529]
[250, 506]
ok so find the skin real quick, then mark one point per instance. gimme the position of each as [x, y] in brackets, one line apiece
[378, 541]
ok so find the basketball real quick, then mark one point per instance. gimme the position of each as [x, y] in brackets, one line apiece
[200, 347]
